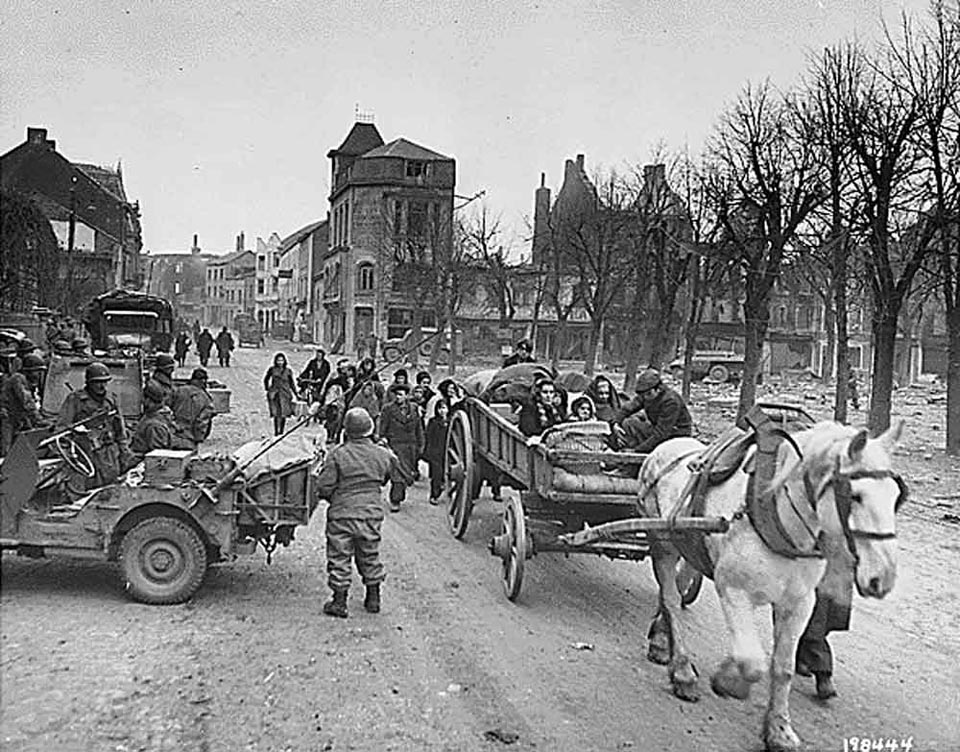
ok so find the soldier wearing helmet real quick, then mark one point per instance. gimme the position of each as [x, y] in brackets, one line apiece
[162, 376]
[106, 439]
[350, 481]
[20, 399]
[665, 415]
[156, 429]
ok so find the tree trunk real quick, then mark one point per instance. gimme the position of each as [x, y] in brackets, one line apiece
[884, 346]
[559, 335]
[829, 356]
[756, 314]
[661, 337]
[590, 362]
[953, 381]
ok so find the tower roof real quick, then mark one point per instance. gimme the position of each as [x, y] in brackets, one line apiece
[362, 138]
[404, 149]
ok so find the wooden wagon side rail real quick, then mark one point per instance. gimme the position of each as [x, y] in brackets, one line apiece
[500, 442]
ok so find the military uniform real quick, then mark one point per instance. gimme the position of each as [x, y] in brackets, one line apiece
[20, 406]
[164, 380]
[667, 418]
[193, 413]
[156, 430]
[351, 479]
[106, 440]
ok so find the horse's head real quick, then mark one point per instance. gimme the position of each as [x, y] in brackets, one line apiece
[866, 495]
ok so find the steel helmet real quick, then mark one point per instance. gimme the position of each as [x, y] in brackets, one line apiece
[199, 374]
[357, 423]
[153, 392]
[32, 362]
[165, 362]
[97, 372]
[649, 379]
[25, 345]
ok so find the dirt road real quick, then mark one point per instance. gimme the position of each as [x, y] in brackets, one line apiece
[450, 664]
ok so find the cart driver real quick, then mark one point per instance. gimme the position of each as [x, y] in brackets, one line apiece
[667, 416]
[105, 440]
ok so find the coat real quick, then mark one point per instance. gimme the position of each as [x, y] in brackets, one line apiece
[436, 439]
[351, 478]
[402, 425]
[535, 418]
[157, 430]
[281, 391]
[106, 439]
[204, 342]
[667, 414]
[224, 342]
[192, 412]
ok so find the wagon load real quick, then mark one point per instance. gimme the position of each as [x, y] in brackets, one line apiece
[512, 384]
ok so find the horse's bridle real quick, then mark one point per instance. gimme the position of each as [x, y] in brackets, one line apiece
[843, 495]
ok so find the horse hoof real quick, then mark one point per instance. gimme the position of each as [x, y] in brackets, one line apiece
[687, 691]
[825, 687]
[658, 651]
[779, 736]
[727, 685]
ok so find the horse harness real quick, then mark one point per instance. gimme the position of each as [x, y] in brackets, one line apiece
[719, 461]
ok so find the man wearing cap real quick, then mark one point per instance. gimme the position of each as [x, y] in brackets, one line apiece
[193, 409]
[20, 400]
[162, 375]
[522, 353]
[667, 416]
[350, 481]
[106, 439]
[401, 425]
[156, 429]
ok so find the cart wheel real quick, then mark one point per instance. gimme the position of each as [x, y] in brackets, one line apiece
[689, 582]
[163, 561]
[459, 474]
[515, 550]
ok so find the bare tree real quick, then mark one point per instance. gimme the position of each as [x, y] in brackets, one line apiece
[483, 245]
[767, 183]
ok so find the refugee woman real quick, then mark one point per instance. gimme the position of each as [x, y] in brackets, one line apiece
[281, 392]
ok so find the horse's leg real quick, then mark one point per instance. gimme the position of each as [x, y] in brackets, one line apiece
[667, 625]
[744, 666]
[789, 620]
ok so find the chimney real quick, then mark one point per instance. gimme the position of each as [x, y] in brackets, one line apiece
[240, 243]
[580, 162]
[50, 144]
[37, 136]
[541, 218]
[196, 245]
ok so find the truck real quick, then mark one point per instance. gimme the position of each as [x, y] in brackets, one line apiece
[249, 331]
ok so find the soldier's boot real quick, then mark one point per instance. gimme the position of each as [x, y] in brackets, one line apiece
[337, 606]
[372, 601]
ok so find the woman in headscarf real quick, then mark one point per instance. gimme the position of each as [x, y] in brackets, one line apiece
[540, 413]
[281, 392]
[605, 398]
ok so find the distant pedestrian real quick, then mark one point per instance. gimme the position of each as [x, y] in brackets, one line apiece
[435, 448]
[853, 390]
[196, 330]
[281, 392]
[350, 480]
[181, 347]
[522, 353]
[204, 345]
[224, 344]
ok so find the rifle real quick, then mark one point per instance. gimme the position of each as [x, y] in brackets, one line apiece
[105, 414]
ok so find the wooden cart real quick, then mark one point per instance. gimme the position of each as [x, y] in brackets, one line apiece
[570, 499]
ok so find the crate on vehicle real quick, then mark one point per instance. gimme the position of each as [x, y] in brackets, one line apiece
[221, 400]
[165, 466]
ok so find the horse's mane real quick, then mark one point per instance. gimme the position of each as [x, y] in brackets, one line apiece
[819, 445]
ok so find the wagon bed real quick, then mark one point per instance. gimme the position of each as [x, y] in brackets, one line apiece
[571, 493]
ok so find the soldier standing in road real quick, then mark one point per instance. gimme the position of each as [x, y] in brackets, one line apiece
[402, 427]
[162, 376]
[156, 429]
[193, 409]
[105, 439]
[350, 480]
[20, 400]
[224, 343]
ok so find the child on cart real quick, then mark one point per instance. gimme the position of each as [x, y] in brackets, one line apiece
[436, 444]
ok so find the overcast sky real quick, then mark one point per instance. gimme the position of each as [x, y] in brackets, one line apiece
[223, 112]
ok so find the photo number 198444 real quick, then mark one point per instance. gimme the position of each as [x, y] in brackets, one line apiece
[877, 744]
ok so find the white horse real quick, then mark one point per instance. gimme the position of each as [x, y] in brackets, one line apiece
[828, 467]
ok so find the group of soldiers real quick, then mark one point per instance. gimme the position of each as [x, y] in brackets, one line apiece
[174, 417]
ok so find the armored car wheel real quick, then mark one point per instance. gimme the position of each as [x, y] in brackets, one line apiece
[459, 473]
[163, 560]
[689, 582]
[74, 455]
